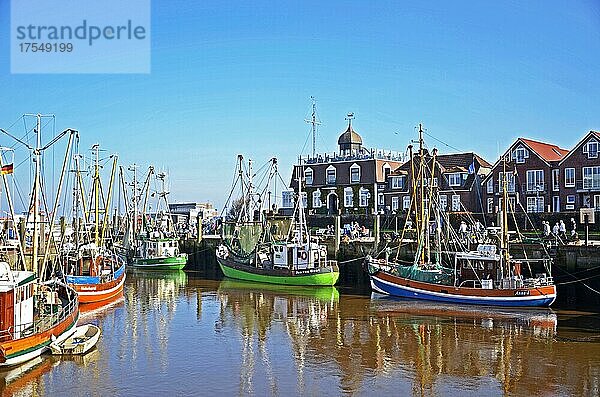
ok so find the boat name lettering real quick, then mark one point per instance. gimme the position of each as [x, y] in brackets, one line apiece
[522, 292]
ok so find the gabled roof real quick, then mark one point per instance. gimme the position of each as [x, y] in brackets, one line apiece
[455, 162]
[583, 140]
[546, 151]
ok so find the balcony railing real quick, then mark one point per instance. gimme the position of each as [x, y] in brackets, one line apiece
[367, 154]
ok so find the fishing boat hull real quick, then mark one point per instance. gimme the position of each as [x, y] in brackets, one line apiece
[390, 284]
[162, 263]
[15, 352]
[326, 276]
[94, 289]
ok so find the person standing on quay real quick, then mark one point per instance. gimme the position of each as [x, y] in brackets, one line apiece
[546, 227]
[562, 228]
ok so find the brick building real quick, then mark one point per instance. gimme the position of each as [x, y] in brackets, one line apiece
[457, 176]
[530, 167]
[346, 182]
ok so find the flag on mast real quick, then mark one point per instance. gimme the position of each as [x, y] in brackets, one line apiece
[7, 169]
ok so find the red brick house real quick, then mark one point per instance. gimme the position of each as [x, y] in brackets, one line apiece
[458, 179]
[576, 179]
[530, 168]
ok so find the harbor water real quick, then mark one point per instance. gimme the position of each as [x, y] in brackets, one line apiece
[178, 333]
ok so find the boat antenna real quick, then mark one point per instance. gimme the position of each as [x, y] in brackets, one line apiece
[314, 122]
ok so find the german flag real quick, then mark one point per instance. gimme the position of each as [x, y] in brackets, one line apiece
[7, 169]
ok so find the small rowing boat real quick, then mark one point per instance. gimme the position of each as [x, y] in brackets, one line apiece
[81, 341]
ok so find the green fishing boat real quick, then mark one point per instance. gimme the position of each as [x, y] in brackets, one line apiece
[264, 247]
[155, 246]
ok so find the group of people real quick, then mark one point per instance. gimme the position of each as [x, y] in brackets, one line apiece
[559, 230]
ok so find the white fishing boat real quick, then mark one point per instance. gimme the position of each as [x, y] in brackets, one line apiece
[81, 341]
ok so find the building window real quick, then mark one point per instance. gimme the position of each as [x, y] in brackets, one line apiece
[395, 203]
[535, 204]
[556, 203]
[535, 181]
[304, 199]
[591, 148]
[455, 179]
[386, 170]
[406, 202]
[591, 177]
[364, 197]
[571, 199]
[555, 180]
[510, 182]
[490, 205]
[490, 185]
[355, 173]
[455, 202]
[348, 197]
[443, 202]
[397, 182]
[316, 196]
[381, 199]
[331, 175]
[308, 176]
[569, 177]
[287, 199]
[520, 154]
[597, 202]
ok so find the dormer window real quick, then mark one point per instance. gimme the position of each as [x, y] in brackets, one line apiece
[591, 149]
[455, 179]
[397, 182]
[355, 173]
[331, 175]
[308, 176]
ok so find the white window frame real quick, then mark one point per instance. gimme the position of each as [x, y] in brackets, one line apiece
[395, 202]
[597, 202]
[355, 170]
[287, 199]
[555, 203]
[331, 180]
[520, 159]
[381, 199]
[363, 197]
[304, 199]
[490, 185]
[316, 196]
[443, 202]
[397, 182]
[406, 202]
[455, 202]
[555, 180]
[571, 199]
[535, 178]
[510, 181]
[592, 180]
[309, 176]
[569, 179]
[490, 205]
[348, 197]
[455, 179]
[587, 149]
[535, 204]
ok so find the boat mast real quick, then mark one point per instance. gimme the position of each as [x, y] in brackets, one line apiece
[134, 197]
[314, 122]
[421, 192]
[96, 150]
[36, 185]
[504, 212]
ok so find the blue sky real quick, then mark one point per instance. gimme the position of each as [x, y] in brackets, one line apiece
[236, 77]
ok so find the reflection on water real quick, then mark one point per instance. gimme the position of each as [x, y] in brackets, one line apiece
[175, 334]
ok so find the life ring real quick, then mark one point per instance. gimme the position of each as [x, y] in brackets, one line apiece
[303, 255]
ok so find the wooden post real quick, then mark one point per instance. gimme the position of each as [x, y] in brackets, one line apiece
[376, 229]
[337, 232]
[199, 226]
[63, 226]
